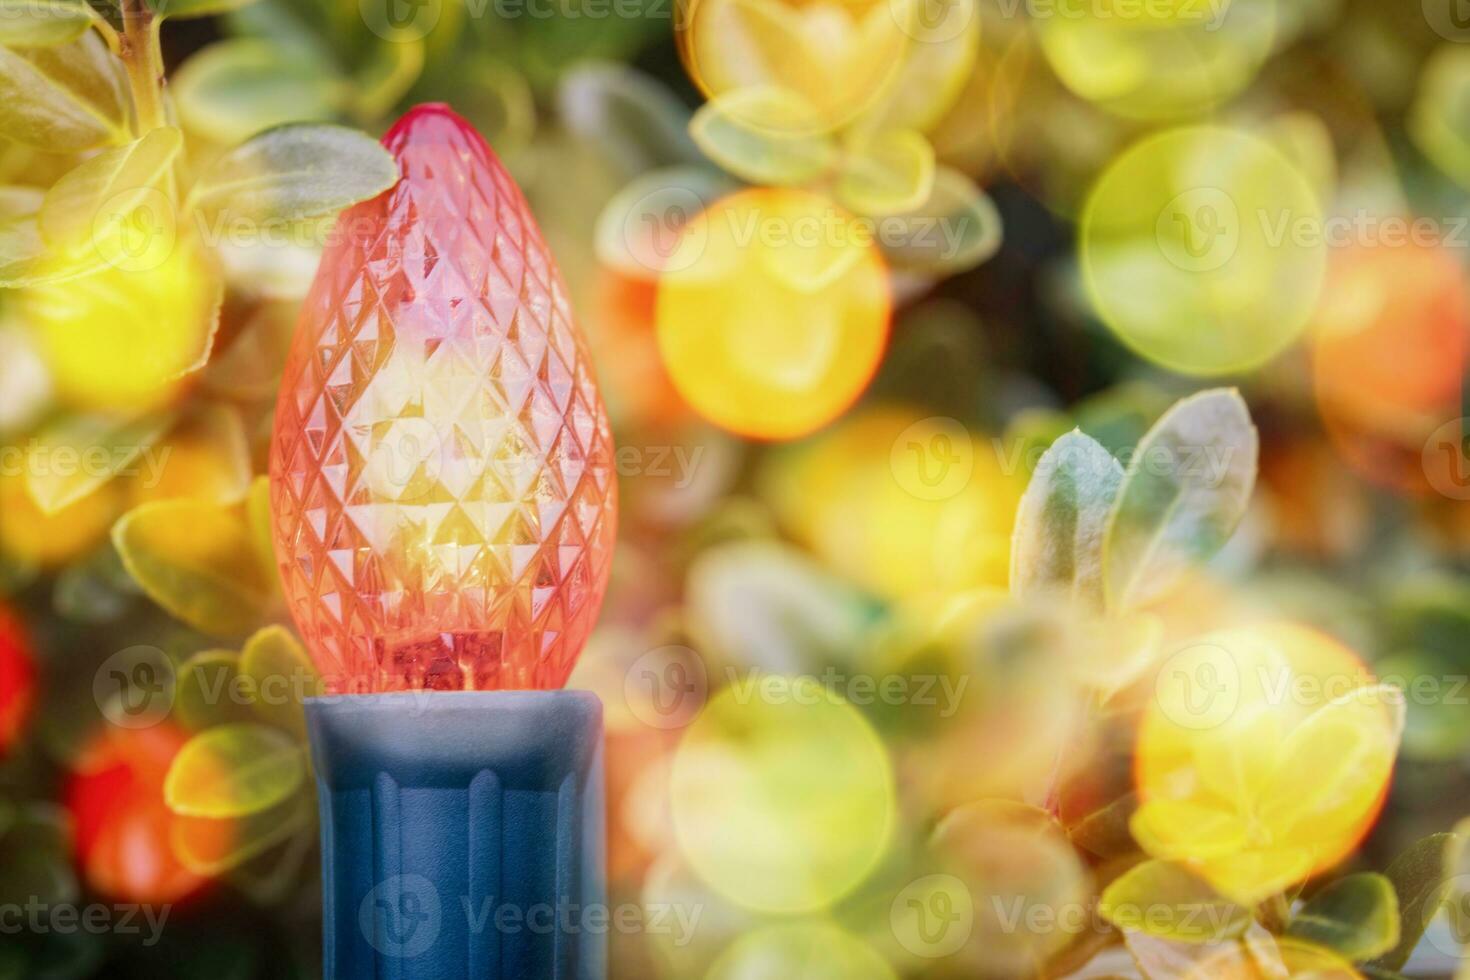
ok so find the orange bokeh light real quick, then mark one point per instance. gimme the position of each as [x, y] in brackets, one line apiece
[1389, 352]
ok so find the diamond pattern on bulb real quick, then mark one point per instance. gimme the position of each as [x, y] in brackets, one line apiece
[442, 467]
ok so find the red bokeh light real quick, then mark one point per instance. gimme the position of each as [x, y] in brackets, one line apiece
[122, 825]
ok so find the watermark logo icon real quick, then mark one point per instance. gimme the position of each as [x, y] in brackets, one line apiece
[1199, 230]
[135, 688]
[656, 226]
[667, 688]
[401, 917]
[933, 917]
[933, 459]
[401, 21]
[136, 230]
[1451, 899]
[1198, 687]
[1450, 19]
[1446, 459]
[933, 21]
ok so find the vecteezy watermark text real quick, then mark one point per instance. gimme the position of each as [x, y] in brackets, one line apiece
[64, 919]
[403, 917]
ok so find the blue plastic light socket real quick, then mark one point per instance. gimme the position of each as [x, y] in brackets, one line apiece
[462, 835]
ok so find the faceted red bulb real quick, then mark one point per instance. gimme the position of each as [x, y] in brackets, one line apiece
[442, 475]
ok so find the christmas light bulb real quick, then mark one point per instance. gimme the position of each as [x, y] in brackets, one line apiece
[444, 506]
[442, 478]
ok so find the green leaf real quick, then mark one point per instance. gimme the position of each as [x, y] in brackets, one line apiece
[234, 771]
[235, 89]
[91, 203]
[1105, 832]
[498, 101]
[956, 229]
[258, 517]
[639, 230]
[282, 675]
[214, 847]
[190, 557]
[1357, 916]
[762, 605]
[1186, 488]
[385, 79]
[1166, 900]
[888, 172]
[1060, 523]
[35, 853]
[183, 9]
[296, 172]
[40, 23]
[631, 116]
[63, 99]
[765, 135]
[72, 459]
[1417, 876]
[1431, 613]
[1436, 729]
[25, 259]
[1457, 880]
[94, 590]
[208, 691]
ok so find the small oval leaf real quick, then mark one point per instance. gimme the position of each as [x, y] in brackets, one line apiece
[888, 172]
[191, 558]
[62, 99]
[211, 848]
[234, 771]
[41, 23]
[956, 229]
[1357, 916]
[640, 229]
[281, 676]
[1059, 526]
[93, 201]
[628, 114]
[1186, 488]
[208, 691]
[73, 458]
[1417, 876]
[296, 172]
[765, 135]
[235, 89]
[1165, 899]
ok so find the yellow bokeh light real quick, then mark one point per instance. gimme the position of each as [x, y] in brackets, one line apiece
[811, 951]
[29, 534]
[838, 58]
[123, 338]
[1158, 60]
[901, 504]
[773, 312]
[1263, 757]
[782, 795]
[1203, 248]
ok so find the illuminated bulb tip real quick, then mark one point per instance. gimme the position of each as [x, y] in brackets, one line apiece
[441, 468]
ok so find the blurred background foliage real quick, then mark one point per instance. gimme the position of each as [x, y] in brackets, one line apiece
[1026, 230]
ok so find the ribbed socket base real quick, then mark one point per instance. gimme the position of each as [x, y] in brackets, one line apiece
[462, 835]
